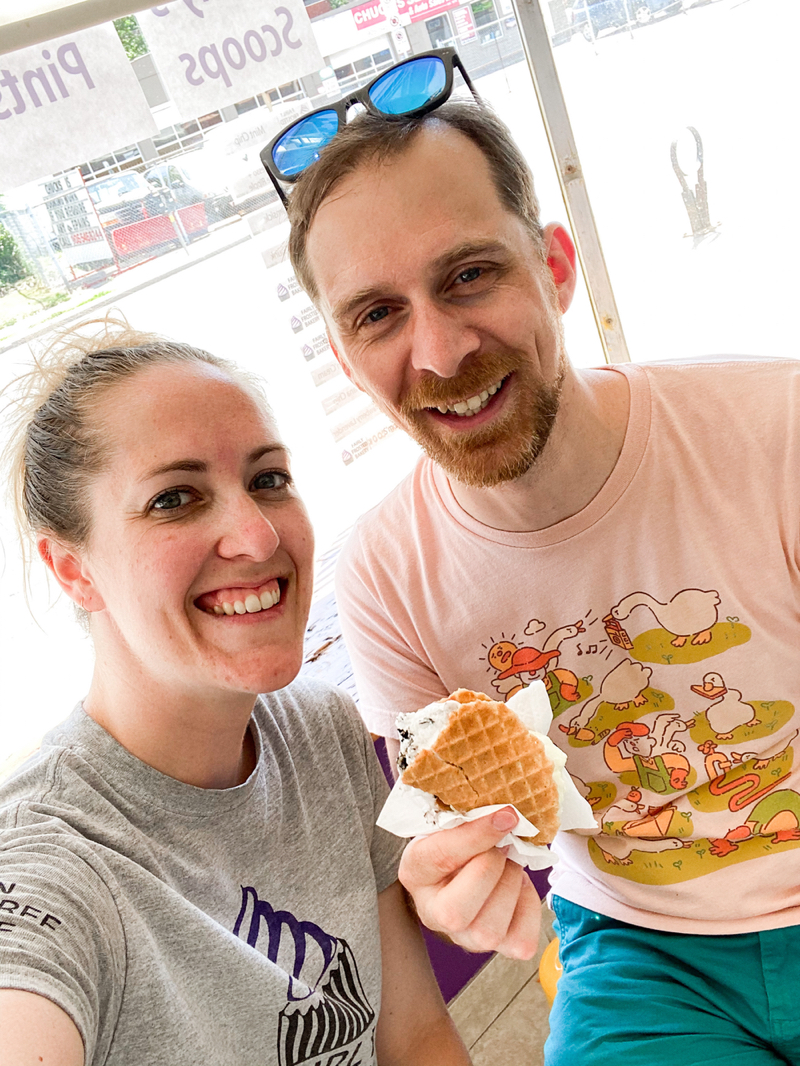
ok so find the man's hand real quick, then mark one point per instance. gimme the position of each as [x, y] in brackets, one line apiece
[464, 886]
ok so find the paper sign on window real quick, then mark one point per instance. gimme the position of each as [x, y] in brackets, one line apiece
[211, 53]
[66, 101]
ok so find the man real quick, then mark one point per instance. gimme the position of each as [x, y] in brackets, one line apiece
[608, 531]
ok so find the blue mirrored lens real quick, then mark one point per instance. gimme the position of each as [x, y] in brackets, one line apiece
[408, 87]
[300, 146]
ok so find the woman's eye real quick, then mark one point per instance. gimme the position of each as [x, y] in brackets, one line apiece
[270, 480]
[171, 500]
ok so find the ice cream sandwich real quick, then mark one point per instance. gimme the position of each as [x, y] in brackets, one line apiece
[471, 751]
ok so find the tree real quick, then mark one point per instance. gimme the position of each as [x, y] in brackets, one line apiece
[131, 36]
[12, 265]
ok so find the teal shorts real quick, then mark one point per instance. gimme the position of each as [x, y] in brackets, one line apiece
[638, 997]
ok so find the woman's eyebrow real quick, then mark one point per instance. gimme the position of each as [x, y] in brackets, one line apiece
[199, 466]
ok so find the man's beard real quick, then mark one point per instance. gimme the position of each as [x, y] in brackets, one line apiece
[502, 450]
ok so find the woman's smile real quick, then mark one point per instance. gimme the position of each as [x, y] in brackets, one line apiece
[201, 550]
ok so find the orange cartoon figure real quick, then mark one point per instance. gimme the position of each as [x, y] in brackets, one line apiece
[500, 654]
[776, 815]
[527, 664]
[652, 755]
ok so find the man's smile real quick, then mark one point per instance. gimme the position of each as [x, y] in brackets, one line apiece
[472, 404]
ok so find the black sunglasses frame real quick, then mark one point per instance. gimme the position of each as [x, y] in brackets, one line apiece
[449, 57]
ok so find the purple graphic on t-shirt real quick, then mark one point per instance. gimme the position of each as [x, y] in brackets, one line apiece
[327, 1019]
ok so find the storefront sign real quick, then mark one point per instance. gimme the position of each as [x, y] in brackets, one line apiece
[211, 53]
[46, 94]
[424, 9]
[464, 24]
[368, 14]
[74, 221]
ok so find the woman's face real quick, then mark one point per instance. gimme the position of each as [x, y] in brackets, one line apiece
[200, 551]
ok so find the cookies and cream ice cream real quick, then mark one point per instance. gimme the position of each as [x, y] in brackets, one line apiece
[470, 751]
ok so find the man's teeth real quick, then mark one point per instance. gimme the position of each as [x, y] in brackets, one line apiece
[467, 408]
[250, 604]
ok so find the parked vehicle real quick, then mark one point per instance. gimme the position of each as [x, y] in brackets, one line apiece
[592, 17]
[182, 188]
[122, 199]
[135, 217]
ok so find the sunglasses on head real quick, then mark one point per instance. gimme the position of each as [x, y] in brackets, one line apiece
[413, 87]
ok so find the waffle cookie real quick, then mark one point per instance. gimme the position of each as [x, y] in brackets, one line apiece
[484, 755]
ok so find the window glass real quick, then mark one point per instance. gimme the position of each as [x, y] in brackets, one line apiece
[681, 113]
[489, 27]
[207, 266]
[439, 31]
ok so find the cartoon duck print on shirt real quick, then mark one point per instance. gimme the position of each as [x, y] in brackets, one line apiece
[689, 615]
[686, 769]
[728, 711]
[327, 1020]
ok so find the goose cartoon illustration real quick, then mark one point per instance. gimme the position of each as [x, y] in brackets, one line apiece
[556, 638]
[625, 809]
[728, 711]
[617, 850]
[566, 681]
[689, 615]
[623, 685]
[585, 791]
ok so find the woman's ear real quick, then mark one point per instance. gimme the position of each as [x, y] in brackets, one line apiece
[560, 252]
[68, 568]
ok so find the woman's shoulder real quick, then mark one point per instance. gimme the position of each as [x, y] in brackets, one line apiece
[317, 722]
[310, 700]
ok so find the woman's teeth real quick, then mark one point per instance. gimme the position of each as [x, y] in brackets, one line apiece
[467, 408]
[251, 604]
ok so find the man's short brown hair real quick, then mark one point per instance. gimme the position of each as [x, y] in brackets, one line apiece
[373, 139]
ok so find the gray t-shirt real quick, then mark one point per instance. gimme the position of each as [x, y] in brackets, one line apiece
[186, 926]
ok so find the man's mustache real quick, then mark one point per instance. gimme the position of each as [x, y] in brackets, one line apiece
[475, 378]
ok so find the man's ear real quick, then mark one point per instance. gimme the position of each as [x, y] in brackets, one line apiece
[560, 252]
[342, 362]
[68, 568]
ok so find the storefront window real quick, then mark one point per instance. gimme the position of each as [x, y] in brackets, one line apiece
[439, 31]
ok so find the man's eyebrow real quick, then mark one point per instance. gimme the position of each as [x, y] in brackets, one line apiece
[469, 250]
[342, 311]
[199, 466]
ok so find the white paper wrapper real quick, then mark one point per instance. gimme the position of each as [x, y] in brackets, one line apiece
[409, 812]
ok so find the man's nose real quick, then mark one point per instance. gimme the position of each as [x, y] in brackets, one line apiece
[247, 531]
[442, 339]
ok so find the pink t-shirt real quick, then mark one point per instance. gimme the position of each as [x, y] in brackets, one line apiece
[664, 619]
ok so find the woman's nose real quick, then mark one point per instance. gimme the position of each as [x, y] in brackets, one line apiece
[247, 531]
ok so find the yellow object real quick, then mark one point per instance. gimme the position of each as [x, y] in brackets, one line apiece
[550, 970]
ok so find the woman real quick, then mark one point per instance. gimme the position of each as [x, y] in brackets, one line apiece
[190, 872]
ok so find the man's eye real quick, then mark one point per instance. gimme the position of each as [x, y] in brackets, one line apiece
[470, 274]
[270, 480]
[376, 314]
[171, 500]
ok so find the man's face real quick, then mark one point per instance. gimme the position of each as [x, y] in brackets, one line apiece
[441, 307]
